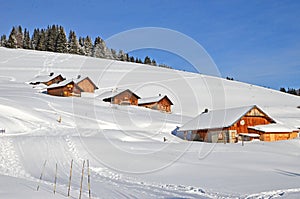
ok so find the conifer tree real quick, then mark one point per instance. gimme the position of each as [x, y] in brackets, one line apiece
[99, 48]
[26, 40]
[19, 37]
[73, 45]
[12, 41]
[88, 46]
[41, 41]
[51, 38]
[35, 38]
[121, 56]
[114, 54]
[153, 62]
[132, 59]
[147, 60]
[61, 41]
[3, 40]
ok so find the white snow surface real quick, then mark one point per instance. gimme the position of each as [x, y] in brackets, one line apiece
[274, 128]
[125, 144]
[150, 99]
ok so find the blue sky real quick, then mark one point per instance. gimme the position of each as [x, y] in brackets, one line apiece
[255, 41]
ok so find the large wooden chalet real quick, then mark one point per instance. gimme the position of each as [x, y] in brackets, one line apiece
[120, 97]
[52, 78]
[224, 125]
[161, 103]
[86, 84]
[65, 88]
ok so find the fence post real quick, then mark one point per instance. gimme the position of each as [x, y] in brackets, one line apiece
[82, 172]
[41, 176]
[70, 178]
[89, 179]
[55, 179]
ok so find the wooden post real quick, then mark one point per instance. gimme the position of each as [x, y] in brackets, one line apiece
[55, 179]
[70, 178]
[82, 172]
[242, 140]
[41, 176]
[89, 179]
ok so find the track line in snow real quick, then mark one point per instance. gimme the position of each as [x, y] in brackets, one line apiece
[273, 194]
[9, 160]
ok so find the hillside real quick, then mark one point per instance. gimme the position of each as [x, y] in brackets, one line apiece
[125, 144]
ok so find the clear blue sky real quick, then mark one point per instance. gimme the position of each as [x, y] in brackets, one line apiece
[255, 41]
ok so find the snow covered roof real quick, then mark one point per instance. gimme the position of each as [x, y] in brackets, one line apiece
[44, 78]
[61, 84]
[252, 135]
[152, 99]
[214, 119]
[115, 92]
[274, 128]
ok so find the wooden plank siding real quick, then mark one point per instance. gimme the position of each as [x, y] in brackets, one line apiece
[55, 80]
[229, 134]
[163, 105]
[70, 89]
[125, 98]
[275, 136]
[87, 85]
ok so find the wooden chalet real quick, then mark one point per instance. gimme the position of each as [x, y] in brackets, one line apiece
[224, 125]
[274, 132]
[86, 84]
[52, 78]
[120, 97]
[161, 103]
[65, 88]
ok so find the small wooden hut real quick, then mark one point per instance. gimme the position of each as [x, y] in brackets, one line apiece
[52, 78]
[65, 88]
[161, 103]
[274, 132]
[86, 84]
[120, 97]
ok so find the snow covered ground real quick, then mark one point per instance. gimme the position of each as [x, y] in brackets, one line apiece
[128, 158]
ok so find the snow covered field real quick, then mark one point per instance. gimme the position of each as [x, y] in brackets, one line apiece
[124, 145]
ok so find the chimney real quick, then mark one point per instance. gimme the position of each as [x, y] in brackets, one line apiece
[78, 76]
[51, 74]
[205, 110]
[159, 94]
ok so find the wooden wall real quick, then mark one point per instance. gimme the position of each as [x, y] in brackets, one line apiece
[252, 118]
[125, 96]
[54, 80]
[163, 105]
[66, 91]
[275, 136]
[86, 86]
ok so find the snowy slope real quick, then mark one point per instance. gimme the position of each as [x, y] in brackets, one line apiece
[125, 144]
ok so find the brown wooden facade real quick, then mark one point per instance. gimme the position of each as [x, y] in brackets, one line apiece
[54, 80]
[87, 85]
[123, 98]
[275, 136]
[163, 105]
[229, 134]
[70, 89]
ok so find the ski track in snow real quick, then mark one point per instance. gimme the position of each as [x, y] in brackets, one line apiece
[131, 186]
[273, 194]
[10, 163]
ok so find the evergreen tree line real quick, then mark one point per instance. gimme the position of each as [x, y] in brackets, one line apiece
[54, 39]
[291, 91]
